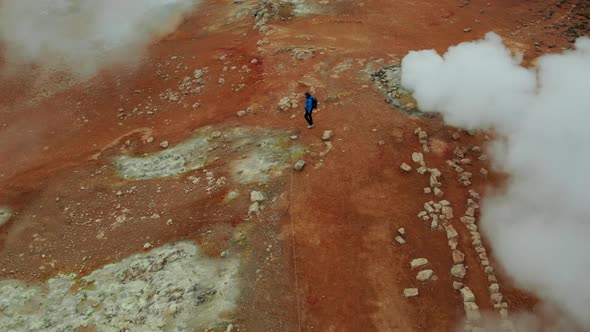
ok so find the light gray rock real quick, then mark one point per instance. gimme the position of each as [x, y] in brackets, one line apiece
[457, 285]
[327, 135]
[164, 144]
[256, 196]
[402, 231]
[410, 292]
[405, 167]
[472, 311]
[467, 294]
[451, 232]
[418, 157]
[424, 275]
[458, 257]
[494, 288]
[418, 262]
[400, 240]
[438, 193]
[299, 165]
[448, 212]
[459, 271]
[254, 208]
[496, 297]
[241, 113]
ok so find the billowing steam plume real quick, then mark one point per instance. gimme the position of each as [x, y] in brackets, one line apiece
[539, 225]
[83, 35]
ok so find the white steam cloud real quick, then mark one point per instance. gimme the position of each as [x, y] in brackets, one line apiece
[82, 36]
[539, 226]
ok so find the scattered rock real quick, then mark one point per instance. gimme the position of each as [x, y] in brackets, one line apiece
[327, 135]
[410, 292]
[402, 231]
[254, 208]
[467, 294]
[293, 137]
[438, 193]
[494, 288]
[241, 114]
[405, 167]
[457, 285]
[424, 275]
[400, 240]
[484, 172]
[451, 231]
[418, 157]
[284, 104]
[467, 30]
[472, 311]
[256, 196]
[164, 144]
[417, 262]
[458, 257]
[299, 165]
[458, 271]
[427, 190]
[496, 297]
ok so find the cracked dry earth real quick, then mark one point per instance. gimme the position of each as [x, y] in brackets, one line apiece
[163, 197]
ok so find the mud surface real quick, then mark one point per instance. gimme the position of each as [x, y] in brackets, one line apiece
[134, 160]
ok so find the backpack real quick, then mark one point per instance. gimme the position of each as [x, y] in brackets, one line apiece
[314, 103]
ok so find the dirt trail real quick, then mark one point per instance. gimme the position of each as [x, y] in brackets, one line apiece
[343, 209]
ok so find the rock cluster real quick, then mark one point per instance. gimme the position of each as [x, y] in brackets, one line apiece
[423, 138]
[289, 102]
[440, 214]
[388, 80]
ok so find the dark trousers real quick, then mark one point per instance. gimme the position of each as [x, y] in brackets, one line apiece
[308, 118]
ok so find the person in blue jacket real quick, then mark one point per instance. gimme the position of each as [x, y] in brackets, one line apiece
[310, 104]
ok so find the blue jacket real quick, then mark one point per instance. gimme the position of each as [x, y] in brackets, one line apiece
[308, 105]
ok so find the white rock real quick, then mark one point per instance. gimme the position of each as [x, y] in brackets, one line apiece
[402, 231]
[472, 311]
[410, 292]
[427, 190]
[494, 288]
[256, 196]
[400, 240]
[164, 144]
[484, 172]
[327, 135]
[438, 193]
[458, 257]
[467, 294]
[241, 114]
[299, 165]
[448, 212]
[405, 167]
[458, 271]
[417, 262]
[496, 297]
[451, 232]
[418, 157]
[424, 275]
[254, 208]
